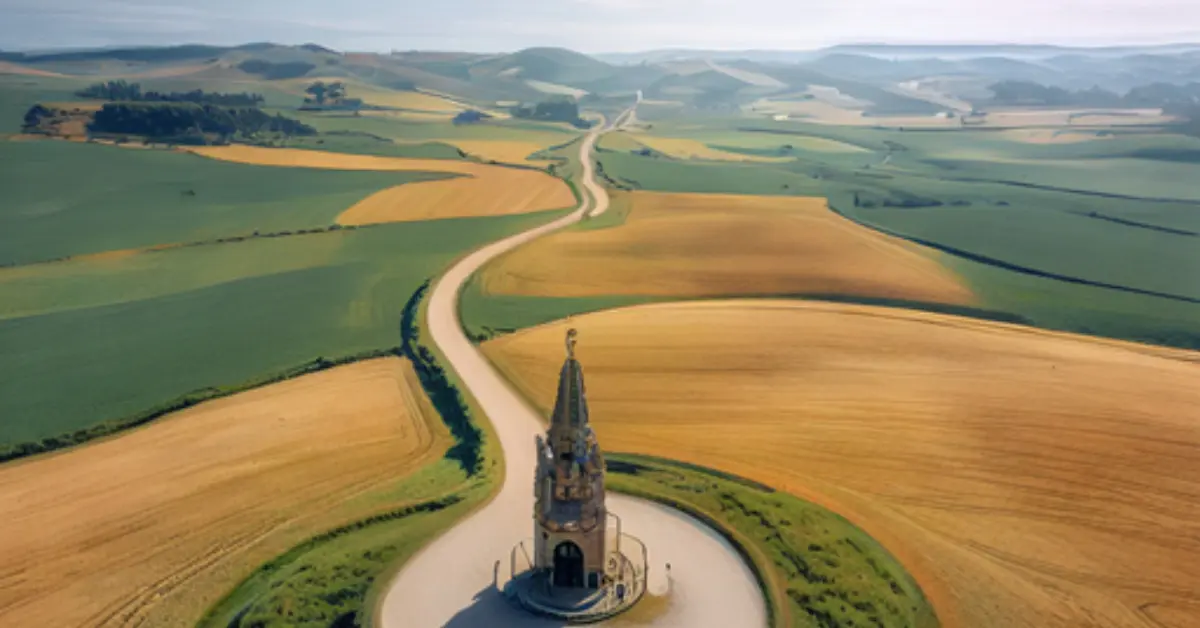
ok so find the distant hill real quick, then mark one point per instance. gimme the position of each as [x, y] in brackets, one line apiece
[888, 79]
[893, 51]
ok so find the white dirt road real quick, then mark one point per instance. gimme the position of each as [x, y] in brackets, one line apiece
[450, 582]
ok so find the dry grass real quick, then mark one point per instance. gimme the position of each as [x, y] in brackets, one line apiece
[505, 151]
[154, 525]
[8, 67]
[378, 96]
[693, 149]
[1025, 477]
[483, 190]
[829, 113]
[412, 116]
[1051, 136]
[724, 244]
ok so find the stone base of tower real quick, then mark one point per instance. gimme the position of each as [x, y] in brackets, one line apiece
[623, 585]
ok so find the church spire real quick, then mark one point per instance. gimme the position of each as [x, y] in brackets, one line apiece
[570, 408]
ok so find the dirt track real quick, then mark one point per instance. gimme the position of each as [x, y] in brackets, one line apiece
[450, 582]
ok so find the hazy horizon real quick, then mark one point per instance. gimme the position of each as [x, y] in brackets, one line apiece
[593, 26]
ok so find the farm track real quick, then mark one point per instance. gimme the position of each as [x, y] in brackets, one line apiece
[710, 585]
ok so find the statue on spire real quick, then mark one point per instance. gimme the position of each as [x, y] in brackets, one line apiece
[571, 333]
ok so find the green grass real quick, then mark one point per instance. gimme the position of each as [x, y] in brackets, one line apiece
[667, 175]
[19, 93]
[338, 578]
[816, 568]
[361, 144]
[86, 345]
[63, 198]
[485, 316]
[1083, 309]
[1135, 262]
[400, 129]
[326, 580]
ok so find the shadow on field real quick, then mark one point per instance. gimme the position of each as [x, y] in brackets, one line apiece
[491, 610]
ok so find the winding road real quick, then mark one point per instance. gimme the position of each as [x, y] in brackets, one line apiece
[450, 582]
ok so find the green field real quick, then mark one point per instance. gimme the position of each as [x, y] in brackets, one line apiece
[816, 568]
[88, 341]
[64, 198]
[1044, 232]
[19, 93]
[327, 580]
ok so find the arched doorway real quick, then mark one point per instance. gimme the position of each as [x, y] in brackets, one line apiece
[568, 565]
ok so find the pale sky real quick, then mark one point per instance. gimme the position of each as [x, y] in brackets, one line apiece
[592, 25]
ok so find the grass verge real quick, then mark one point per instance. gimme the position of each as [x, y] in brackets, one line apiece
[815, 567]
[336, 579]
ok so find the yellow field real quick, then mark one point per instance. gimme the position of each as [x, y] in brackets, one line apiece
[620, 140]
[483, 190]
[1051, 136]
[1025, 477]
[156, 524]
[7, 67]
[724, 244]
[379, 96]
[414, 116]
[513, 152]
[693, 149]
[828, 113]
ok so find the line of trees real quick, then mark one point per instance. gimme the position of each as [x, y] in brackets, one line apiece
[132, 92]
[557, 110]
[329, 95]
[446, 398]
[192, 123]
[1028, 93]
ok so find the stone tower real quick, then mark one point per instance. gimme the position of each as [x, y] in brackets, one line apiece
[569, 514]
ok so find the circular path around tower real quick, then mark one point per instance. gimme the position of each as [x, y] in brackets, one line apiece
[450, 582]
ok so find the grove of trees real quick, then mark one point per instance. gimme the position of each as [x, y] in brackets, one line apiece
[192, 123]
[132, 92]
[1028, 93]
[557, 110]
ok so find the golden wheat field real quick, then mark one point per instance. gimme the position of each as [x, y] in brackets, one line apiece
[153, 526]
[724, 244]
[379, 96]
[680, 148]
[1025, 477]
[483, 190]
[506, 151]
[7, 67]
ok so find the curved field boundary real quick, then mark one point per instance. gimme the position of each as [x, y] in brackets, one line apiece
[417, 598]
[999, 263]
[482, 190]
[923, 429]
[147, 529]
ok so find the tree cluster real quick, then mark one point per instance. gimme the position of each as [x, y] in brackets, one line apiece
[470, 116]
[329, 95]
[132, 92]
[192, 123]
[1027, 93]
[558, 110]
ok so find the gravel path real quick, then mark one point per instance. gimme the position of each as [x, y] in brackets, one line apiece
[449, 583]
